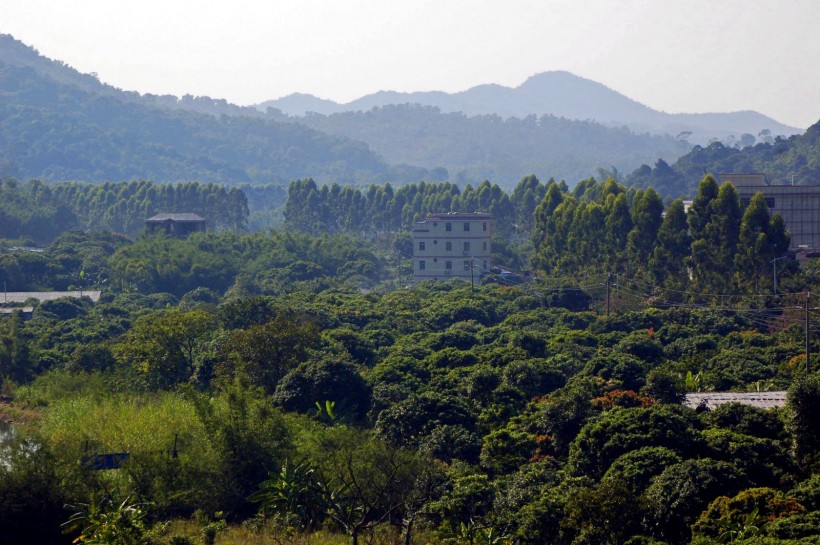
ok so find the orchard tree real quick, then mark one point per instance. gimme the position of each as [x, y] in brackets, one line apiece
[163, 346]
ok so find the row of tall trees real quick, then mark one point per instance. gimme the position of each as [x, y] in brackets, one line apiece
[313, 209]
[42, 211]
[715, 247]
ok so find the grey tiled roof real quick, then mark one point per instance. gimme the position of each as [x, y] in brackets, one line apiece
[762, 400]
[186, 216]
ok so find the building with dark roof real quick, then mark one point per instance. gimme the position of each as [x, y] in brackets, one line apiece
[175, 225]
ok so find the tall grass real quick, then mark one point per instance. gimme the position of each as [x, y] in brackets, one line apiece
[146, 427]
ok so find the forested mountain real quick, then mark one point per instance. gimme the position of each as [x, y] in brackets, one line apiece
[57, 124]
[795, 160]
[559, 94]
[489, 147]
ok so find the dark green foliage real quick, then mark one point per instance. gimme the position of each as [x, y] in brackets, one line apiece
[251, 439]
[765, 462]
[664, 386]
[32, 494]
[619, 431]
[263, 354]
[678, 495]
[553, 426]
[637, 468]
[802, 421]
[324, 380]
[747, 514]
[667, 264]
[746, 420]
[417, 418]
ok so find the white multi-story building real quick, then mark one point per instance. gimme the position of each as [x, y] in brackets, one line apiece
[453, 245]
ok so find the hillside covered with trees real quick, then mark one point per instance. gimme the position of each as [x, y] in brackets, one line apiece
[61, 125]
[56, 131]
[492, 147]
[794, 160]
[282, 386]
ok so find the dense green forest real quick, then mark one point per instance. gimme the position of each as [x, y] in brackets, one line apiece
[793, 161]
[39, 212]
[314, 209]
[288, 386]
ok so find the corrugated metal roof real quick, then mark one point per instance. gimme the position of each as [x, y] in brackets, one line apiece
[185, 216]
[762, 400]
[21, 296]
[12, 310]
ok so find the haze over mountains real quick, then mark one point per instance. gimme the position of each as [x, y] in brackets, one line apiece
[559, 94]
[59, 124]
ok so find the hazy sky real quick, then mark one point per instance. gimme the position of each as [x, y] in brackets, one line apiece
[672, 55]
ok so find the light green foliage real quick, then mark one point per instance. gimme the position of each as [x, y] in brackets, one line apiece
[360, 480]
[745, 515]
[263, 354]
[293, 492]
[108, 521]
[163, 346]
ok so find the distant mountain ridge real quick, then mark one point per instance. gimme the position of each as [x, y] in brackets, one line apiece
[59, 124]
[557, 93]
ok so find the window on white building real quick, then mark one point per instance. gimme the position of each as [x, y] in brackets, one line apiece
[448, 226]
[466, 226]
[466, 246]
[448, 265]
[448, 246]
[422, 245]
[422, 265]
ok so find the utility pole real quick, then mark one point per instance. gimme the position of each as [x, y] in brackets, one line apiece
[607, 293]
[808, 332]
[472, 276]
[774, 272]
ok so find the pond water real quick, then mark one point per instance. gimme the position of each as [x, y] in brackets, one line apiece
[6, 436]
